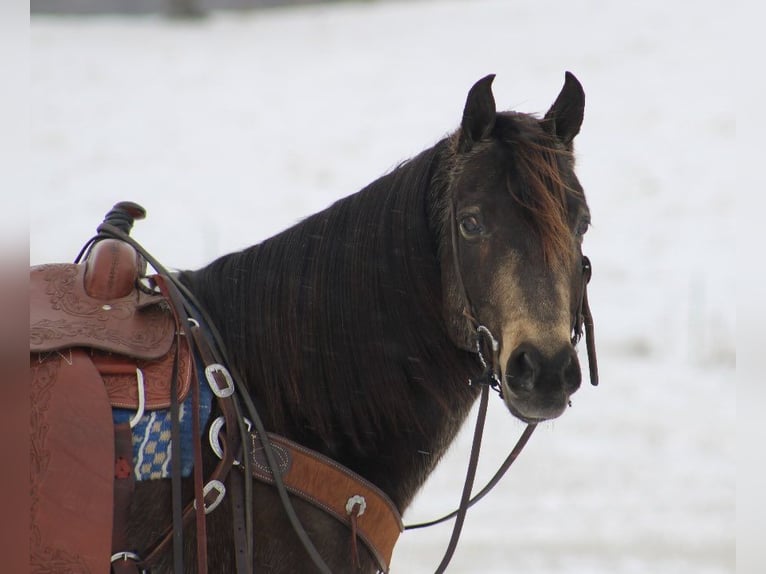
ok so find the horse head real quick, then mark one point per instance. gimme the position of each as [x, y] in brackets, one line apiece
[511, 252]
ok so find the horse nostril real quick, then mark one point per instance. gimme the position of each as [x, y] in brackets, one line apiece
[523, 368]
[529, 364]
[570, 372]
[527, 370]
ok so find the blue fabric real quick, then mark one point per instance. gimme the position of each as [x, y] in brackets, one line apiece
[152, 446]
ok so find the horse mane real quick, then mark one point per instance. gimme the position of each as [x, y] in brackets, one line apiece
[337, 324]
[333, 321]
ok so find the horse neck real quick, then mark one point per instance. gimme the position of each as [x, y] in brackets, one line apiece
[337, 326]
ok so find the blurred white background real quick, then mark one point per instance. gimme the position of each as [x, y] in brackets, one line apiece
[239, 124]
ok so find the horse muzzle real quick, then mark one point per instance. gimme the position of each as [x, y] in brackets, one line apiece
[537, 387]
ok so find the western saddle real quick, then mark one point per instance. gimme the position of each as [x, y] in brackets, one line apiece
[103, 335]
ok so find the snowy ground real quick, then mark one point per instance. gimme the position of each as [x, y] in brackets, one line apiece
[239, 125]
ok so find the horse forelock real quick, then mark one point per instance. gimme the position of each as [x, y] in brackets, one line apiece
[539, 177]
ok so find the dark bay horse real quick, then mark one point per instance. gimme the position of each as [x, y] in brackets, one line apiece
[355, 330]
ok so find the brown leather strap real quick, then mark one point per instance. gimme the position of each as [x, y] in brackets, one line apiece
[175, 472]
[590, 343]
[198, 486]
[333, 488]
[233, 442]
[468, 484]
[230, 446]
[124, 484]
[178, 515]
[242, 558]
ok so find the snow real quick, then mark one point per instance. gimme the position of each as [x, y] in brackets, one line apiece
[239, 125]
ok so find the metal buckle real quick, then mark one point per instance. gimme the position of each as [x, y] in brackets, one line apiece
[214, 439]
[210, 372]
[220, 489]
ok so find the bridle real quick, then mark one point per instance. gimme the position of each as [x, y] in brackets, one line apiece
[484, 342]
[487, 348]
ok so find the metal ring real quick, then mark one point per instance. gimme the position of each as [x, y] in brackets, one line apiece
[353, 501]
[482, 330]
[488, 333]
[136, 418]
[214, 432]
[125, 556]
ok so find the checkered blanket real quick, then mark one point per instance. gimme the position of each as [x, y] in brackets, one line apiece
[152, 447]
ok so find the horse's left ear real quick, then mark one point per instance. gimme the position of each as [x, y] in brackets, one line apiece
[565, 116]
[478, 115]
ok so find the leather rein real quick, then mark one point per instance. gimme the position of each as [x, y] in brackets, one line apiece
[239, 409]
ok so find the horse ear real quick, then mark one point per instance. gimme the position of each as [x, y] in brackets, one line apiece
[478, 115]
[565, 116]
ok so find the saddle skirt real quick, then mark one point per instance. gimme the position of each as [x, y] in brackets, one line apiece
[93, 326]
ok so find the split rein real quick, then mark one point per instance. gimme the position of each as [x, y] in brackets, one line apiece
[488, 379]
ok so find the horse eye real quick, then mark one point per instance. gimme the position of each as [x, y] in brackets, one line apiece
[470, 226]
[582, 227]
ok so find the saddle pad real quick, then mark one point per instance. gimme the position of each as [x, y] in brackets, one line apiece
[152, 446]
[63, 315]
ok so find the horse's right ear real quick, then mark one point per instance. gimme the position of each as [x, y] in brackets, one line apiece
[478, 115]
[565, 116]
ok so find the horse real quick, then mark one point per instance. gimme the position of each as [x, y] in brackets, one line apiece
[356, 331]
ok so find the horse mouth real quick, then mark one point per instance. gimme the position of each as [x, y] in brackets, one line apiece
[535, 410]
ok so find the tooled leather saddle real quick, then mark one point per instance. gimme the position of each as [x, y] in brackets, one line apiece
[104, 336]
[98, 340]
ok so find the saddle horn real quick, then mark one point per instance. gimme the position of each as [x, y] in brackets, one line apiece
[112, 266]
[123, 215]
